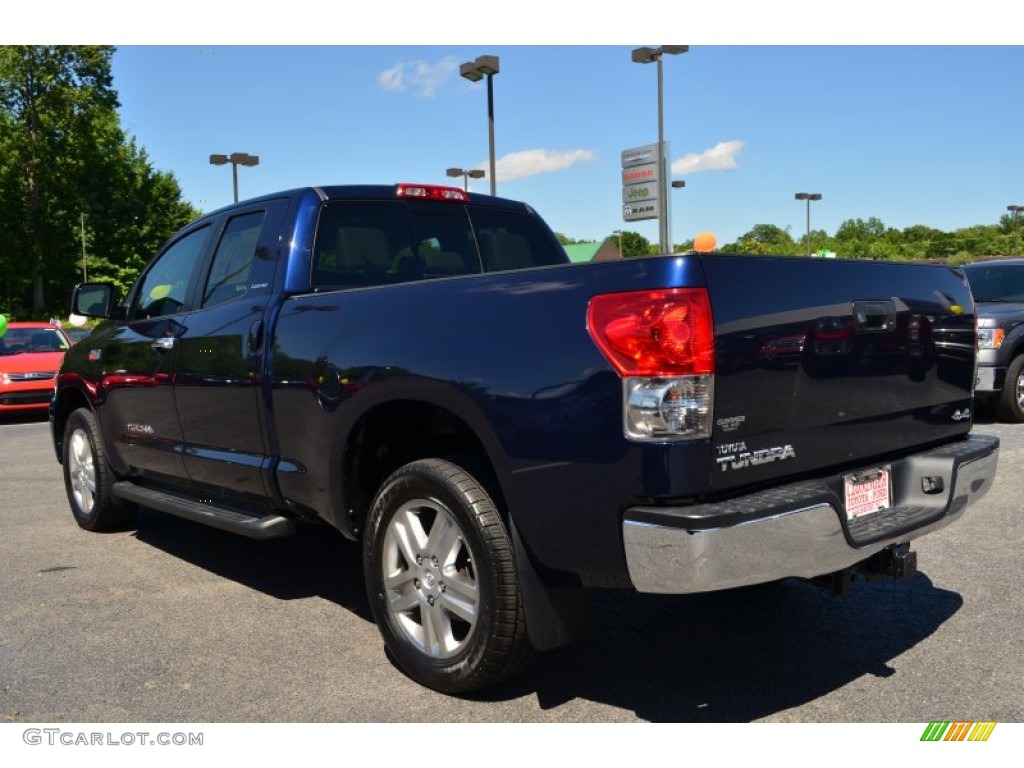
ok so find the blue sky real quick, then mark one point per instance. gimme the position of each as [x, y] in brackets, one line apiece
[913, 134]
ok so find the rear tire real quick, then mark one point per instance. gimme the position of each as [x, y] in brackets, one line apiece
[442, 581]
[1010, 406]
[88, 477]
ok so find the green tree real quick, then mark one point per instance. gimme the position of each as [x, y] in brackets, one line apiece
[763, 240]
[63, 154]
[1010, 224]
[984, 240]
[633, 244]
[138, 209]
[820, 240]
[861, 239]
[914, 241]
[859, 229]
[941, 246]
[871, 239]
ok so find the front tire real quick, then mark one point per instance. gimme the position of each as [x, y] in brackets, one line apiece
[88, 478]
[442, 580]
[1010, 406]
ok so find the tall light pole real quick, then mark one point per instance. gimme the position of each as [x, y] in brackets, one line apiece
[677, 184]
[646, 56]
[485, 66]
[236, 159]
[619, 233]
[1015, 211]
[476, 173]
[808, 196]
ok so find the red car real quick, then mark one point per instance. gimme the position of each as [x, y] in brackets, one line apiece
[30, 354]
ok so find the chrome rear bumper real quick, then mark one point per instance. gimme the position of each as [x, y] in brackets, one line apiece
[800, 530]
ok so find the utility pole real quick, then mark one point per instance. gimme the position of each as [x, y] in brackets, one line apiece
[85, 269]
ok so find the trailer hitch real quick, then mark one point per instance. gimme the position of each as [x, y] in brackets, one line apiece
[895, 562]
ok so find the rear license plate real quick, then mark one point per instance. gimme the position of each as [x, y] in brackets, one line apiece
[867, 492]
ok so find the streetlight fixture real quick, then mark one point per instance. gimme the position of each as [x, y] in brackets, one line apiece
[476, 173]
[1015, 211]
[236, 159]
[485, 66]
[646, 56]
[808, 196]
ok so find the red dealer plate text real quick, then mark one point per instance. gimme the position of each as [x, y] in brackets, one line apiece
[867, 492]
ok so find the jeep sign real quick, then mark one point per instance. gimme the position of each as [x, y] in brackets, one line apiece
[639, 193]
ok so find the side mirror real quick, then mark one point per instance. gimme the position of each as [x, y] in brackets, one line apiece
[94, 300]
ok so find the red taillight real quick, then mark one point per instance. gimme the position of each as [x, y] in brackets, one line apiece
[432, 192]
[655, 333]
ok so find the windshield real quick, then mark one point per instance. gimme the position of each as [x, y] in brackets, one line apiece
[997, 282]
[18, 341]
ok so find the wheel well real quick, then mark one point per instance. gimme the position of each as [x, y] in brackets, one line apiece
[70, 401]
[392, 435]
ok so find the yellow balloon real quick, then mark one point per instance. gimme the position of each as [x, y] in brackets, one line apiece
[705, 242]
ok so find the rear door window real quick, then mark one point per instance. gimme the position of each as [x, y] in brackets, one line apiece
[367, 243]
[512, 240]
[232, 266]
[362, 244]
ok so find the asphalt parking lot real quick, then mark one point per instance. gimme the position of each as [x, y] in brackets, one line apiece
[175, 622]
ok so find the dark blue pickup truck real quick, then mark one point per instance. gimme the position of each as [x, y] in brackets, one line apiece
[422, 370]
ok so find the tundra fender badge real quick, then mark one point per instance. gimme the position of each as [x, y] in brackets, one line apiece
[736, 456]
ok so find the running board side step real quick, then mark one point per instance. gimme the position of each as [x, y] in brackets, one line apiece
[266, 527]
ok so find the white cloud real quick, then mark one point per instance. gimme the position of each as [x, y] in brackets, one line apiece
[392, 79]
[530, 162]
[424, 76]
[721, 157]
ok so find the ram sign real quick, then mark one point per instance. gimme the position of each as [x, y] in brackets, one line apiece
[640, 211]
